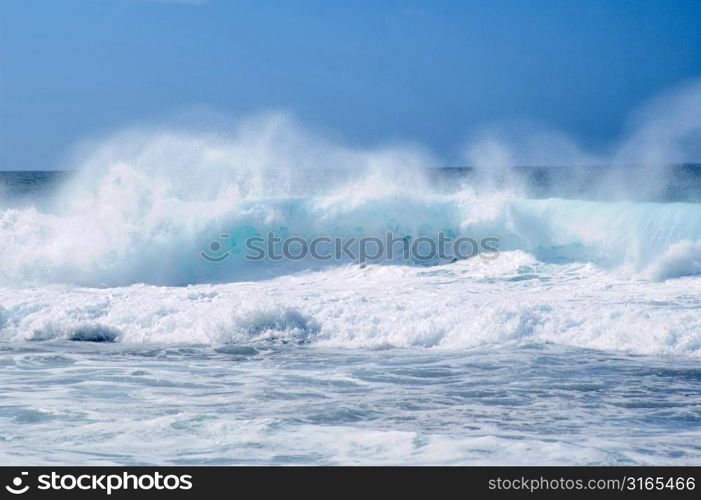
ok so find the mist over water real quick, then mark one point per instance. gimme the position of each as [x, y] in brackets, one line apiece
[143, 203]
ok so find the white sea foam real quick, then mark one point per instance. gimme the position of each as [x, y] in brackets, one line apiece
[512, 301]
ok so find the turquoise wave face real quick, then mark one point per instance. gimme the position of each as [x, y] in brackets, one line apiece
[165, 240]
[178, 210]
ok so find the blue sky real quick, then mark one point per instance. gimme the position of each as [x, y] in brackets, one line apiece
[371, 71]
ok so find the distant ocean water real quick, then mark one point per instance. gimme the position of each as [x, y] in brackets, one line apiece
[579, 344]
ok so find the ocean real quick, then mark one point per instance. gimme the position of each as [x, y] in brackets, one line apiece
[135, 330]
